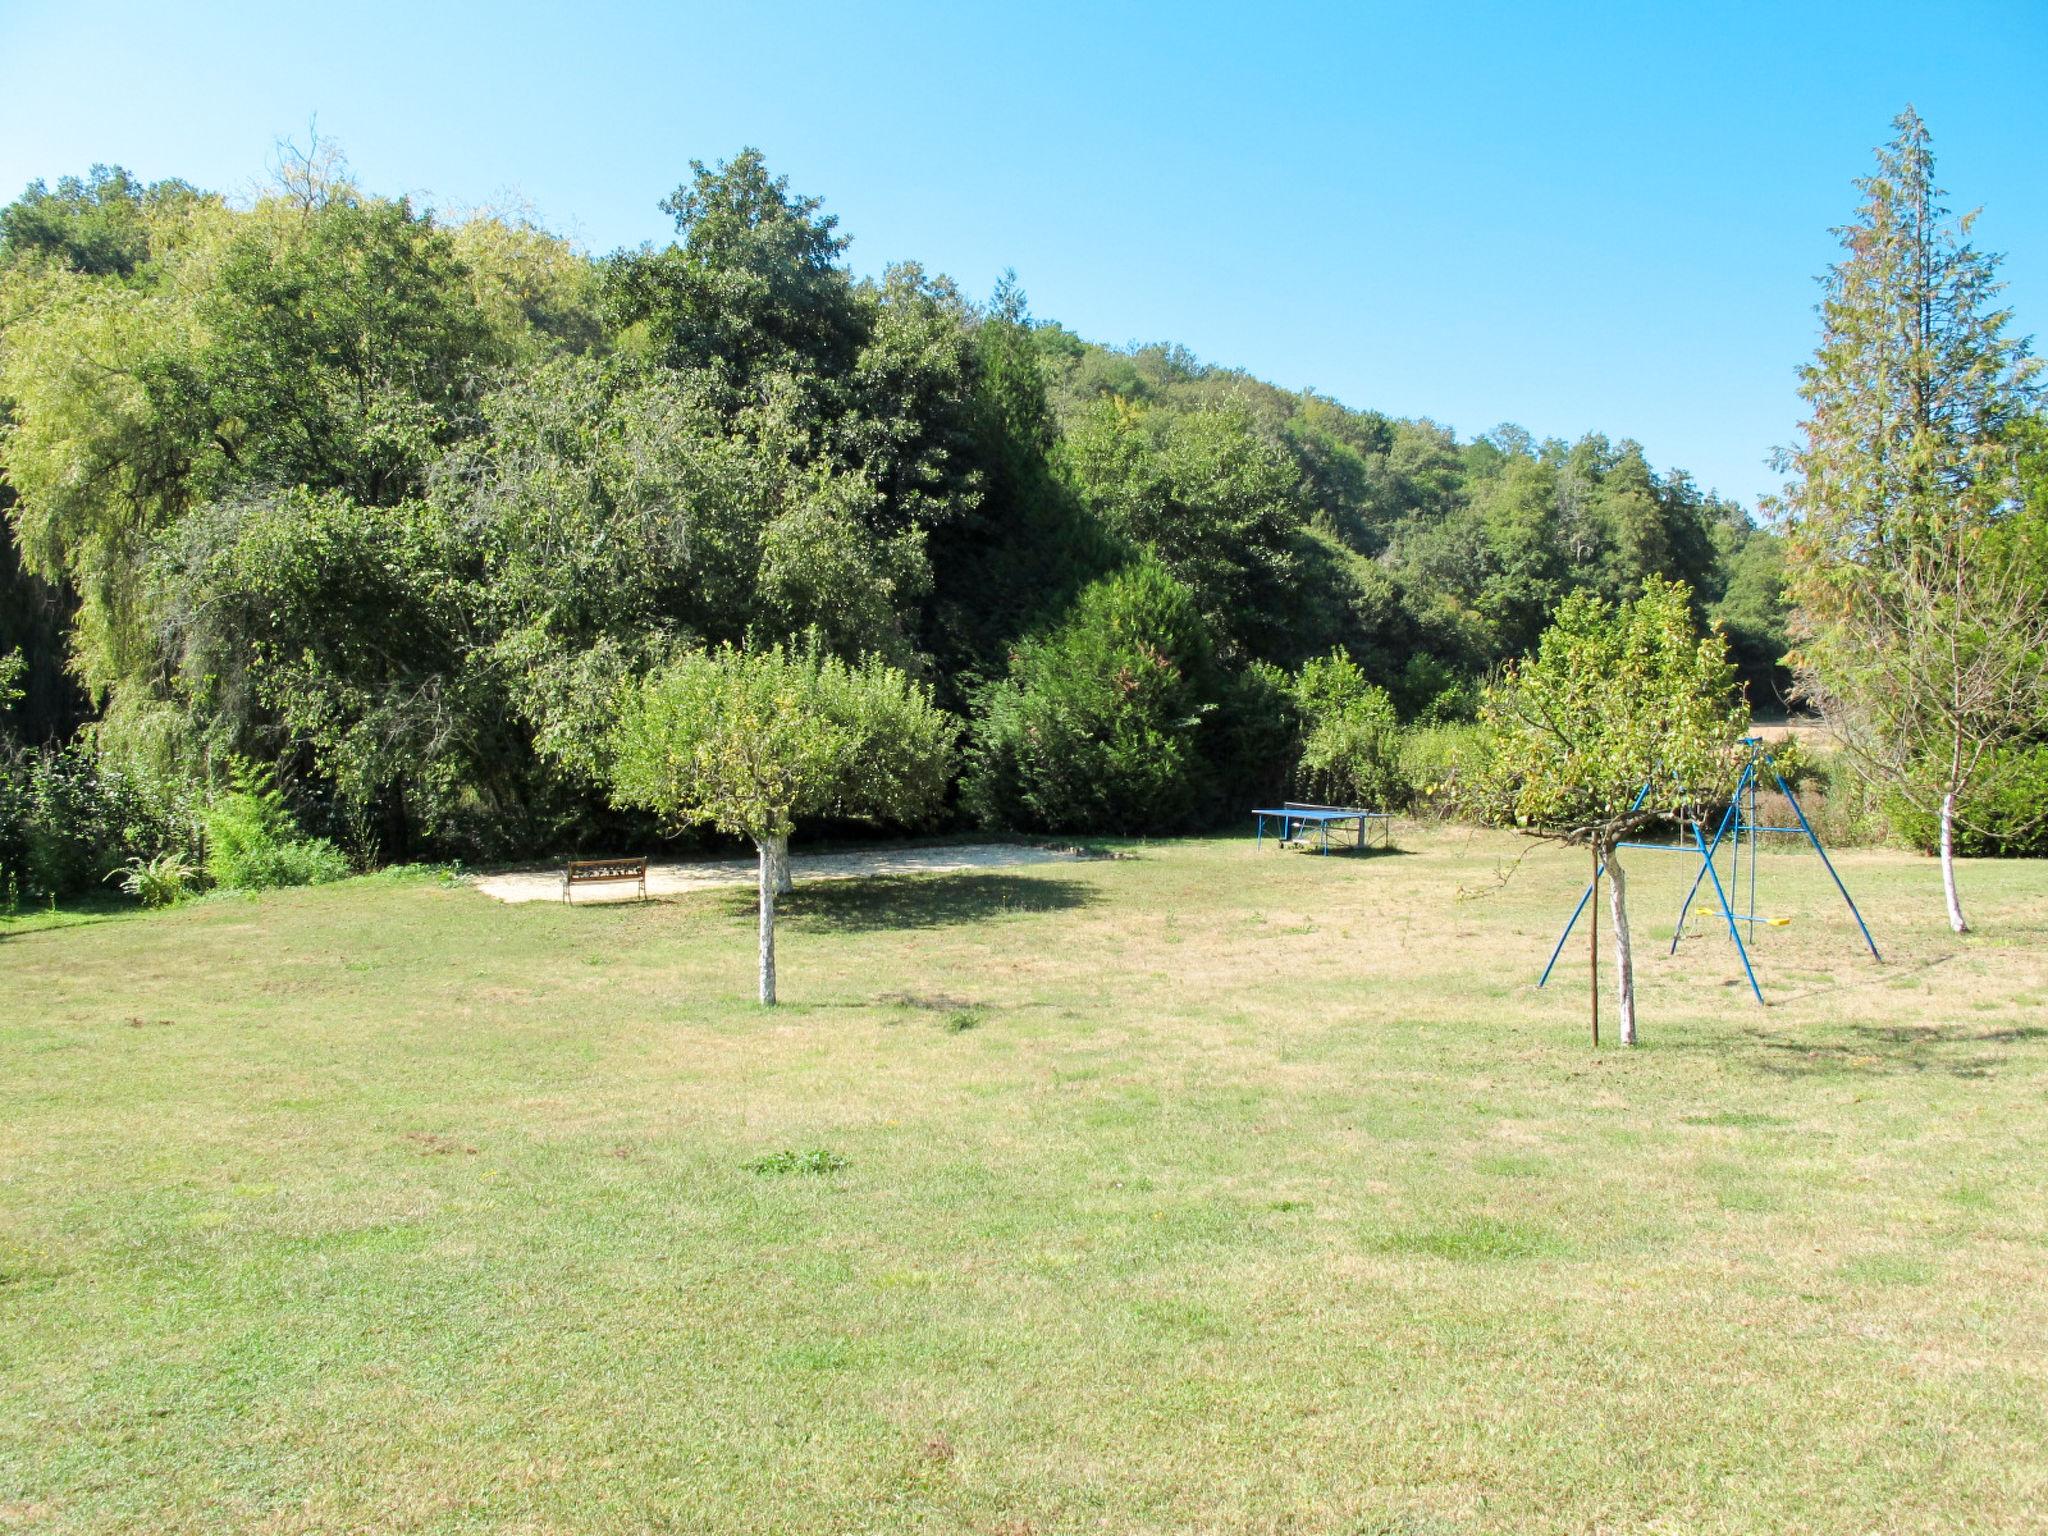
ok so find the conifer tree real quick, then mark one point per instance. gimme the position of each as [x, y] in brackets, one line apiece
[1920, 633]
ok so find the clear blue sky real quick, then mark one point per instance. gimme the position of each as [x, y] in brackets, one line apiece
[1574, 217]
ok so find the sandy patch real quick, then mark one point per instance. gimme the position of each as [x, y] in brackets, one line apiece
[678, 877]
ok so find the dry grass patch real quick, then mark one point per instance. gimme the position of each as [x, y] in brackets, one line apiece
[1191, 1190]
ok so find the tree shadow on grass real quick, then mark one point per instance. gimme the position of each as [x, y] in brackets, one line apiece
[1894, 1050]
[882, 902]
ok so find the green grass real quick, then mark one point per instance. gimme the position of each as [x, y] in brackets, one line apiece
[1188, 1191]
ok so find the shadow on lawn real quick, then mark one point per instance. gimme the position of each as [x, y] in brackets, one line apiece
[917, 901]
[1890, 1050]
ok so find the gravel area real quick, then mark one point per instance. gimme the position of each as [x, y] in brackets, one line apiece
[675, 877]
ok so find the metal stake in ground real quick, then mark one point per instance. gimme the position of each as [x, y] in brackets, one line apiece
[1593, 933]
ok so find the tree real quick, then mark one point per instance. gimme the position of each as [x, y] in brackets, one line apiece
[755, 286]
[1209, 495]
[750, 741]
[1100, 725]
[1351, 742]
[1920, 619]
[1624, 717]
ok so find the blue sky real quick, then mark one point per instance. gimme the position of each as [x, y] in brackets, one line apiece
[1575, 217]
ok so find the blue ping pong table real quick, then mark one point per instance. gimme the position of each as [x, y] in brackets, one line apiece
[1296, 819]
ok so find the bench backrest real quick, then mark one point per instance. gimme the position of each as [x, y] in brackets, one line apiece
[584, 871]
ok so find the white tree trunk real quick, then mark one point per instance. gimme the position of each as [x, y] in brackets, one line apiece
[766, 846]
[1948, 863]
[1624, 957]
[778, 848]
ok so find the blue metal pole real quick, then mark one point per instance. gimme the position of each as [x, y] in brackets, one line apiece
[1720, 832]
[1568, 927]
[1807, 827]
[1726, 911]
[1755, 840]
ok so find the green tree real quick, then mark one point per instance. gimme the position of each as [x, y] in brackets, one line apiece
[1624, 717]
[751, 741]
[97, 225]
[1921, 621]
[345, 347]
[1215, 500]
[754, 286]
[1100, 725]
[1351, 741]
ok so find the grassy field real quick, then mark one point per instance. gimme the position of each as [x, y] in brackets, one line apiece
[1191, 1190]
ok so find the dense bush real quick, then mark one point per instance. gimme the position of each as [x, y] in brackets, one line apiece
[69, 819]
[252, 843]
[1100, 726]
[159, 882]
[1429, 756]
[1253, 739]
[1351, 743]
[2005, 815]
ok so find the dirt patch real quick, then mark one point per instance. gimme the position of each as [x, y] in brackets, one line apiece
[679, 877]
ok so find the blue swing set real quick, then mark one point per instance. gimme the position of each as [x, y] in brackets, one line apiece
[1740, 821]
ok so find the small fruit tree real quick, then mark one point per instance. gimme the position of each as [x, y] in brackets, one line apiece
[1625, 716]
[750, 740]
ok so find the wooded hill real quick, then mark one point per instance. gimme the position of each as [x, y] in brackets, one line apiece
[392, 501]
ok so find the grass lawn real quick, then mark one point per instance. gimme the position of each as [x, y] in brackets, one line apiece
[1196, 1190]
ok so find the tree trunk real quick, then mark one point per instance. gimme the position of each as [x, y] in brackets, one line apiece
[1948, 863]
[766, 846]
[778, 848]
[1624, 957]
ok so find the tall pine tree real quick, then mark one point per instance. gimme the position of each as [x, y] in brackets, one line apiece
[1917, 635]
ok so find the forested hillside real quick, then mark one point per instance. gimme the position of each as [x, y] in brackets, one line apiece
[391, 503]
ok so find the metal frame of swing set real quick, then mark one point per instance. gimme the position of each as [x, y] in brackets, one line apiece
[1739, 817]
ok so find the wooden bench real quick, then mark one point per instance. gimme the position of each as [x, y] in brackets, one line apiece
[604, 872]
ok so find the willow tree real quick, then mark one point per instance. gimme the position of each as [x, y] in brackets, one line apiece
[1920, 618]
[751, 741]
[1625, 716]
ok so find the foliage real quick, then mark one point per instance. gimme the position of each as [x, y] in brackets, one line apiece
[402, 500]
[1434, 756]
[748, 741]
[1616, 699]
[161, 881]
[1351, 743]
[1919, 575]
[1100, 725]
[2002, 815]
[252, 843]
[1214, 500]
[1842, 806]
[69, 818]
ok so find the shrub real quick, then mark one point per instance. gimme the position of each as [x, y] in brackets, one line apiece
[1844, 809]
[1429, 756]
[1100, 725]
[69, 819]
[1252, 739]
[252, 843]
[1351, 749]
[2002, 817]
[159, 882]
